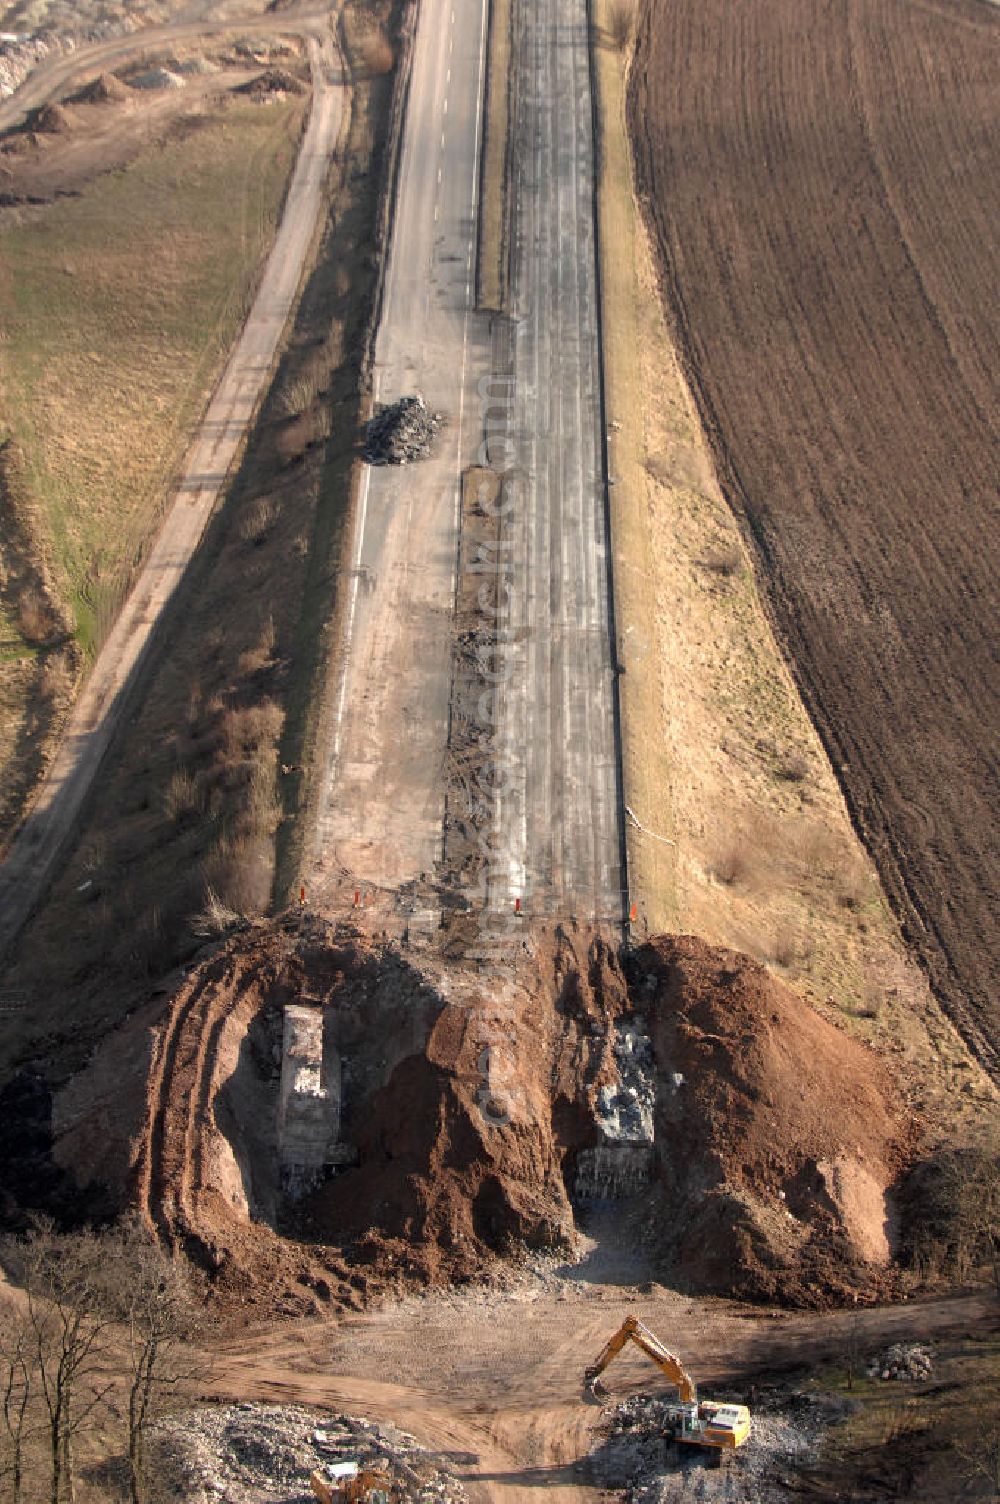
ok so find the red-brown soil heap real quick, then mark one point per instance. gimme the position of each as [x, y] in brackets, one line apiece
[778, 1136]
[468, 1101]
[823, 183]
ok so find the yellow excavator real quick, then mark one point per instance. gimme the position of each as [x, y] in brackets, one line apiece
[721, 1427]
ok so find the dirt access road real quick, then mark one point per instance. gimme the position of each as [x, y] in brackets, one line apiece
[521, 396]
[58, 77]
[499, 1376]
[96, 714]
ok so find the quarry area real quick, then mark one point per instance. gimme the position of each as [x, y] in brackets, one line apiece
[497, 820]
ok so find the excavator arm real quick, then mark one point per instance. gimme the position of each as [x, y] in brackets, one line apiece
[632, 1330]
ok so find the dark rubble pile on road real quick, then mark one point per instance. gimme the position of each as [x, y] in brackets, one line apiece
[264, 1454]
[401, 432]
[907, 1361]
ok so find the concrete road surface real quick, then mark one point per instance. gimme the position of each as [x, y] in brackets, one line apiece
[532, 385]
[54, 816]
[559, 834]
[382, 808]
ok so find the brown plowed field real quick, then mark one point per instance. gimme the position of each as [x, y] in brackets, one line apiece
[823, 184]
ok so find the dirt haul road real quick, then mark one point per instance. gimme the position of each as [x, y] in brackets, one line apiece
[53, 79]
[99, 708]
[500, 1376]
[522, 400]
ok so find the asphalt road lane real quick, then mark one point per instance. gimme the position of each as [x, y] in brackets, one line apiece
[382, 807]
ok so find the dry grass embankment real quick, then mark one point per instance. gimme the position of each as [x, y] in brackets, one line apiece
[206, 785]
[493, 208]
[119, 307]
[720, 756]
[834, 300]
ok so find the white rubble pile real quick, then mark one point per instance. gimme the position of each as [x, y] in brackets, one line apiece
[635, 1457]
[626, 1111]
[621, 1163]
[401, 432]
[156, 78]
[263, 1454]
[908, 1361]
[21, 53]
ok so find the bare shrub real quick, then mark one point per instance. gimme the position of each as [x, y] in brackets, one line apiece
[182, 797]
[216, 917]
[261, 656]
[256, 522]
[239, 871]
[298, 394]
[621, 23]
[244, 730]
[950, 1213]
[725, 561]
[376, 53]
[732, 860]
[789, 947]
[794, 767]
[35, 618]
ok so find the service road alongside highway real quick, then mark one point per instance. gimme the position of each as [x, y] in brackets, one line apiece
[54, 816]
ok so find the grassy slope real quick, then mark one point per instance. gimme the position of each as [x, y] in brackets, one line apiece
[119, 309]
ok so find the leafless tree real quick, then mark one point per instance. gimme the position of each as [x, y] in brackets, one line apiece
[15, 1398]
[66, 1330]
[151, 1295]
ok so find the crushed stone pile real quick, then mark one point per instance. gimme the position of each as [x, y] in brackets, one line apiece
[910, 1362]
[632, 1455]
[262, 1454]
[156, 78]
[401, 432]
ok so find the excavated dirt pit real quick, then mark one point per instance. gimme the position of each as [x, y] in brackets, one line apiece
[464, 1119]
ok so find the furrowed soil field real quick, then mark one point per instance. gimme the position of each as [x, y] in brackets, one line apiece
[823, 186]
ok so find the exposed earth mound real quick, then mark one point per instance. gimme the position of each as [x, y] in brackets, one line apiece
[274, 82]
[107, 89]
[467, 1104]
[778, 1135]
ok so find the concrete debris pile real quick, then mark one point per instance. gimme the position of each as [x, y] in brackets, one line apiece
[622, 1162]
[626, 1112]
[907, 1361]
[632, 1454]
[20, 53]
[425, 1476]
[401, 432]
[156, 78]
[263, 1454]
